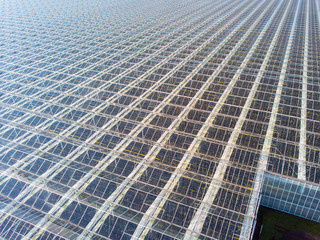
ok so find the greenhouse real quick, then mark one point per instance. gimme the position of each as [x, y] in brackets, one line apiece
[169, 120]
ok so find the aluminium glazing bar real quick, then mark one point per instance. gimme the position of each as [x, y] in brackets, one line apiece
[263, 160]
[303, 129]
[199, 218]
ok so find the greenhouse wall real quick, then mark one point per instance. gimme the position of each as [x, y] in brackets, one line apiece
[291, 196]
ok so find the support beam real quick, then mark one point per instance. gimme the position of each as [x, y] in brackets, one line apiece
[304, 97]
[264, 155]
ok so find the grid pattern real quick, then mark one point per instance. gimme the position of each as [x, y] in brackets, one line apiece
[153, 119]
[294, 197]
